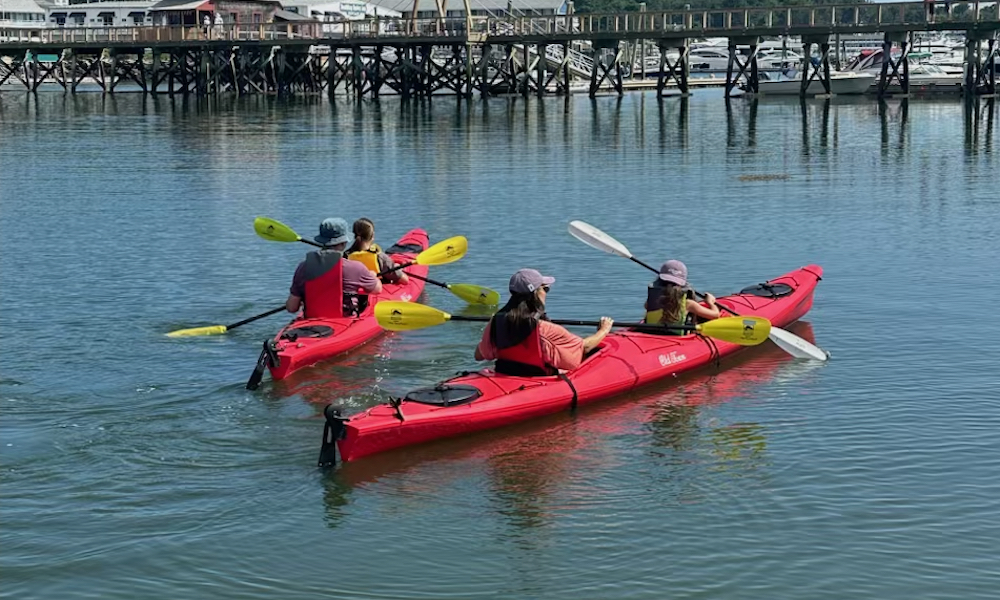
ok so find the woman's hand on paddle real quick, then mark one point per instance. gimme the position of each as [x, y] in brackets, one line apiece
[709, 299]
[605, 326]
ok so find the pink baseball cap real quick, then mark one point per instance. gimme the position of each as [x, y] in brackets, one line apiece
[675, 272]
[526, 281]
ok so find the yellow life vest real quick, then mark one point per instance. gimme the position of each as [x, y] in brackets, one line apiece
[654, 316]
[369, 258]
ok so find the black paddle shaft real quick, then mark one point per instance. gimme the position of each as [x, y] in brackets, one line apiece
[429, 280]
[252, 319]
[579, 323]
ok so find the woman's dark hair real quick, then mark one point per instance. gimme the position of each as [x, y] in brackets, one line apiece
[521, 315]
[672, 299]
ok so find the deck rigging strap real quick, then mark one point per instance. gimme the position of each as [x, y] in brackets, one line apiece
[573, 402]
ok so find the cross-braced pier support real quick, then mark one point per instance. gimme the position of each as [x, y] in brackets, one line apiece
[607, 66]
[981, 50]
[745, 69]
[677, 70]
[819, 72]
[895, 69]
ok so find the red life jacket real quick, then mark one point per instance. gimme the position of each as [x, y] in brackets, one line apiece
[325, 294]
[524, 359]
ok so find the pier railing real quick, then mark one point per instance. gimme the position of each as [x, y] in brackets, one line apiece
[799, 20]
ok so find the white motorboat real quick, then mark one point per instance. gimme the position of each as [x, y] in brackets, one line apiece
[841, 83]
[924, 77]
[715, 59]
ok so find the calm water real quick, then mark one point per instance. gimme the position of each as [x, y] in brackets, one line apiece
[137, 466]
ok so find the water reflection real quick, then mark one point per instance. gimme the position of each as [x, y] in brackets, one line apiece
[809, 126]
[673, 117]
[741, 116]
[736, 110]
[899, 115]
[605, 120]
[979, 122]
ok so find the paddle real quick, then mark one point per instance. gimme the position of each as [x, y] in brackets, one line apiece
[277, 231]
[786, 340]
[403, 316]
[217, 329]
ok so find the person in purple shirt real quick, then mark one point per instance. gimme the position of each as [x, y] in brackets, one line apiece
[326, 283]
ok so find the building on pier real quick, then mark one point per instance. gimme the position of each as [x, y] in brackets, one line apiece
[20, 18]
[479, 8]
[333, 15]
[193, 12]
[97, 13]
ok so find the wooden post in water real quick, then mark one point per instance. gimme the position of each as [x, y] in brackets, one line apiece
[542, 68]
[527, 70]
[565, 68]
[484, 70]
[642, 43]
[155, 76]
[661, 76]
[357, 72]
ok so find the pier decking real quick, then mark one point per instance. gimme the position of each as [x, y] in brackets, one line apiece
[526, 55]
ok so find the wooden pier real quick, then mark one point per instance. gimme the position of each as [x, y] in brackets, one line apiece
[417, 58]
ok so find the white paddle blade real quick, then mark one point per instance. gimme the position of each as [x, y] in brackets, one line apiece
[595, 238]
[796, 346]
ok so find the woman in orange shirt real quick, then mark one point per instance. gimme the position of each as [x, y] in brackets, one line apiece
[521, 339]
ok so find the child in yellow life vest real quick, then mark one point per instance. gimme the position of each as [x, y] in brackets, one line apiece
[365, 250]
[669, 299]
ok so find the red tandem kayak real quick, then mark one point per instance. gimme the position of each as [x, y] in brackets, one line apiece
[296, 347]
[625, 360]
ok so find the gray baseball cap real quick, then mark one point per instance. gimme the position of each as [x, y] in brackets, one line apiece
[526, 281]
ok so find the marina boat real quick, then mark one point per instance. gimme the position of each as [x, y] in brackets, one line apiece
[924, 77]
[841, 83]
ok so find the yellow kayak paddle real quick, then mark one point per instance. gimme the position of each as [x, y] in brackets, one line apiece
[404, 316]
[218, 329]
[441, 253]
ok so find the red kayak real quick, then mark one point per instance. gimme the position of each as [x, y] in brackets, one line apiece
[625, 360]
[305, 342]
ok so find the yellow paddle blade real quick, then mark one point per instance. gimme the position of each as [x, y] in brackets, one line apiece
[745, 331]
[402, 316]
[475, 294]
[210, 330]
[444, 252]
[276, 231]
